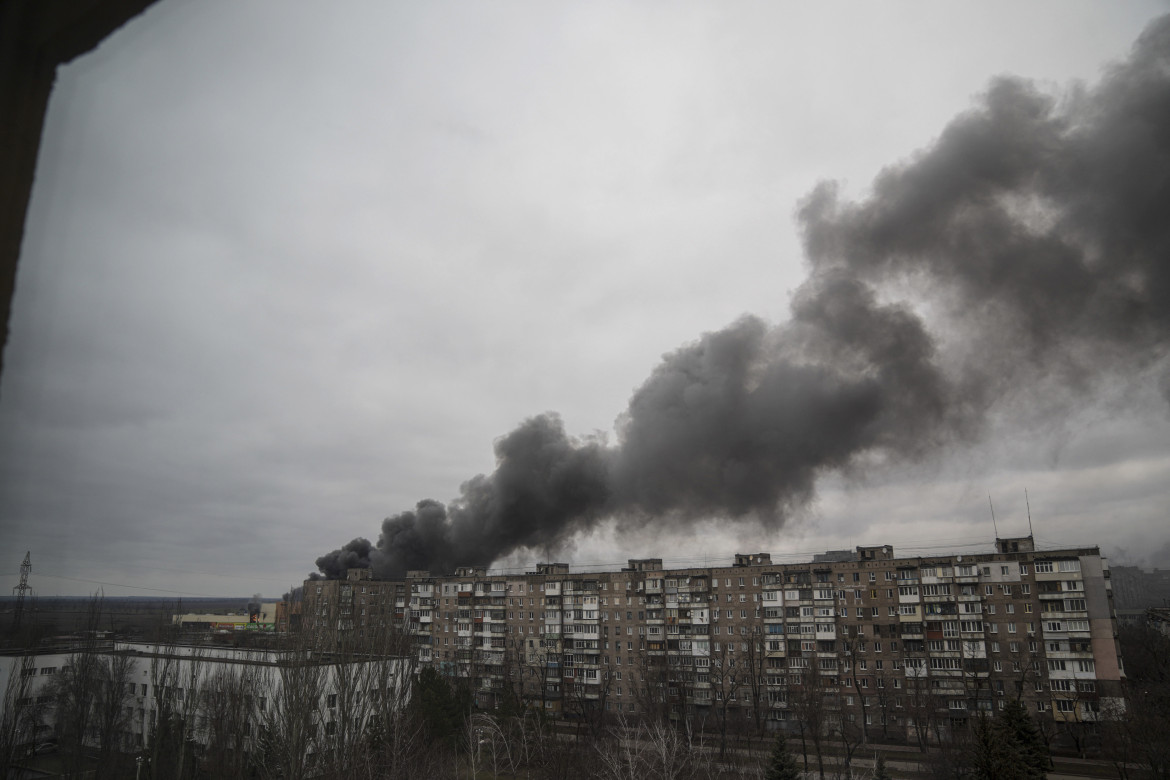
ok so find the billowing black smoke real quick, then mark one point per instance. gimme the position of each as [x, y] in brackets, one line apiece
[354, 555]
[1036, 227]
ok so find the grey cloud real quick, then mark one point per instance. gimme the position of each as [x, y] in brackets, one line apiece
[1036, 224]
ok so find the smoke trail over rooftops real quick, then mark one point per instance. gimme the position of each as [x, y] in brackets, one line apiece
[1037, 229]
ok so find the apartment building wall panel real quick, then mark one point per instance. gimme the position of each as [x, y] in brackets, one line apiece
[963, 631]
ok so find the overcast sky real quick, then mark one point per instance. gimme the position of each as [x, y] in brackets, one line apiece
[288, 271]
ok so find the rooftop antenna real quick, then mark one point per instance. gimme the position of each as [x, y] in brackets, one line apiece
[1028, 504]
[993, 523]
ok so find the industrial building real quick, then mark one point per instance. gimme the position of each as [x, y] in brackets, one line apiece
[260, 616]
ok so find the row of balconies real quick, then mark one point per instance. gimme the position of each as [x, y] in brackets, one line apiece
[777, 581]
[582, 587]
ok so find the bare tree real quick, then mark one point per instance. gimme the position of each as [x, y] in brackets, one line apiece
[90, 692]
[395, 734]
[490, 743]
[1120, 736]
[228, 710]
[920, 698]
[111, 720]
[651, 686]
[350, 678]
[1076, 712]
[726, 677]
[755, 679]
[290, 739]
[21, 717]
[587, 698]
[620, 756]
[669, 751]
[534, 672]
[170, 745]
[651, 749]
[1137, 728]
[184, 707]
[851, 649]
[807, 700]
[74, 694]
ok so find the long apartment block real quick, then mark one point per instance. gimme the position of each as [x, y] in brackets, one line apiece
[914, 643]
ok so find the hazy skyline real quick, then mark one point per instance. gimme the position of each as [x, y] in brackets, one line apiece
[285, 275]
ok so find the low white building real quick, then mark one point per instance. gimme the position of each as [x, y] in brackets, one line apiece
[295, 701]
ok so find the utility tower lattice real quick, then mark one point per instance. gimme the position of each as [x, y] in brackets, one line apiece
[20, 590]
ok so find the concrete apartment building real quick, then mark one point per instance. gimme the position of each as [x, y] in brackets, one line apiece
[913, 644]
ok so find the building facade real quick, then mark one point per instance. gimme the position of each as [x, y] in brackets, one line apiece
[224, 697]
[912, 645]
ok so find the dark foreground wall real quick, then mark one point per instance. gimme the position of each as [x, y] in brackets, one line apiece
[35, 37]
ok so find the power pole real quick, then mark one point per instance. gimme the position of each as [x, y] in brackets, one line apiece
[19, 591]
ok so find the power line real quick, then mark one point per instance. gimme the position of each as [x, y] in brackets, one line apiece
[132, 587]
[170, 569]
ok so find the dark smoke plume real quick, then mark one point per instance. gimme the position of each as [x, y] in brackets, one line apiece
[354, 555]
[254, 607]
[1036, 227]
